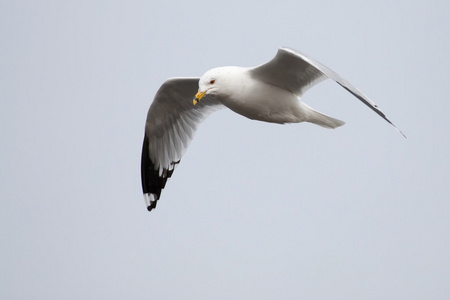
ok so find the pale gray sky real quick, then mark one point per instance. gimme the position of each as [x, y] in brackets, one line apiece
[254, 210]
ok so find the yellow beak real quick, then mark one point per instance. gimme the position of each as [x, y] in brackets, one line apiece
[199, 97]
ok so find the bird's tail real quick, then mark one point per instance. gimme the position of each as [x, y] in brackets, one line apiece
[318, 118]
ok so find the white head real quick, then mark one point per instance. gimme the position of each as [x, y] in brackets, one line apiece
[215, 82]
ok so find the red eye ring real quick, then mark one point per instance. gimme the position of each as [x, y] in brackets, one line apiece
[212, 81]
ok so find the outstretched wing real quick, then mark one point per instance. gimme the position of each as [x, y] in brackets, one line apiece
[297, 72]
[171, 124]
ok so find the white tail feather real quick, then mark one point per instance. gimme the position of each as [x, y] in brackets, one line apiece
[318, 118]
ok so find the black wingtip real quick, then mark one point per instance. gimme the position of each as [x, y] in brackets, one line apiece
[152, 206]
[152, 180]
[151, 200]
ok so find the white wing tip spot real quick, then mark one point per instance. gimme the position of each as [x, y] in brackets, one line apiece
[150, 200]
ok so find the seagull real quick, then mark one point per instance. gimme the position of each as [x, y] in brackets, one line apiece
[270, 92]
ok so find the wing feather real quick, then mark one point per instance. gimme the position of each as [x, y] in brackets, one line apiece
[171, 124]
[289, 72]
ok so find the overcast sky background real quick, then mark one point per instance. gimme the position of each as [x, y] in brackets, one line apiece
[254, 210]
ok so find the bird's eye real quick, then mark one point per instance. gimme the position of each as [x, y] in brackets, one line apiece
[212, 81]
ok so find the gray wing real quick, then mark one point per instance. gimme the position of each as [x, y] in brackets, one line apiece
[171, 124]
[297, 72]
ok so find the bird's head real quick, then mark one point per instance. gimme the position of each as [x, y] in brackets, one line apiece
[217, 82]
[208, 84]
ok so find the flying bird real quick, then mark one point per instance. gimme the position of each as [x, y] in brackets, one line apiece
[270, 92]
